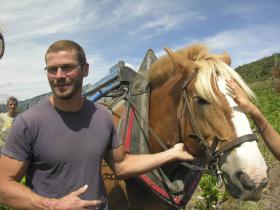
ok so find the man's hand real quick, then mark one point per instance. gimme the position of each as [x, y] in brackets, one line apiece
[180, 151]
[73, 201]
[239, 97]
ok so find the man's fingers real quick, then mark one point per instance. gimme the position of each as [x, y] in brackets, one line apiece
[187, 155]
[92, 203]
[80, 191]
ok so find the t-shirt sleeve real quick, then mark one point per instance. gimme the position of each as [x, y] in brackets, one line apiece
[18, 144]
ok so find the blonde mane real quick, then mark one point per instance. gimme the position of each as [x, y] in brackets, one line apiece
[211, 66]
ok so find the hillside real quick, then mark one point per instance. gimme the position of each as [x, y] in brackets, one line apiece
[259, 70]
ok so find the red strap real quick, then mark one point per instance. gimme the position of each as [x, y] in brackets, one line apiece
[156, 188]
[128, 135]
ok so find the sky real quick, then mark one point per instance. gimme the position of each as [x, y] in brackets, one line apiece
[113, 30]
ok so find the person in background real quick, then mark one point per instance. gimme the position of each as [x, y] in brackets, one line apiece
[59, 144]
[270, 136]
[6, 119]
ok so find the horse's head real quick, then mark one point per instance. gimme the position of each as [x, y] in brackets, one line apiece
[190, 103]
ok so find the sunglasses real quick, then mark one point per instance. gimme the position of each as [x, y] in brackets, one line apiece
[65, 68]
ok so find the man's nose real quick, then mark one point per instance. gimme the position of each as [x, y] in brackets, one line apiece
[60, 73]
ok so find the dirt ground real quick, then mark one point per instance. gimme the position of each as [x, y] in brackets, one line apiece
[271, 195]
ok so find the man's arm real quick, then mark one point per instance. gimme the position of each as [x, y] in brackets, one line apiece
[270, 136]
[18, 196]
[125, 165]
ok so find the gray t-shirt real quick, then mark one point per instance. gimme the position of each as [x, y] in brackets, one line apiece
[65, 149]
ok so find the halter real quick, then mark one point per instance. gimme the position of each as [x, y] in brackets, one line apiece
[212, 154]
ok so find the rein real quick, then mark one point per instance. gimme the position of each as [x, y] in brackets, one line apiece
[164, 147]
[211, 153]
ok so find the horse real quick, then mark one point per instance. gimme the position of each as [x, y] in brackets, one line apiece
[190, 103]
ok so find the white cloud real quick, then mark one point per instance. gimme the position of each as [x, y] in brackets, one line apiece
[247, 45]
[123, 30]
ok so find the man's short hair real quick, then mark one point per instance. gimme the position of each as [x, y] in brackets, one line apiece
[68, 45]
[13, 99]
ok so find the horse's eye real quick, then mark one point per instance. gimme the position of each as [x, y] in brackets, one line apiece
[200, 100]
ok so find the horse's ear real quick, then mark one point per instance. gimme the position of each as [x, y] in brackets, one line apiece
[225, 58]
[180, 62]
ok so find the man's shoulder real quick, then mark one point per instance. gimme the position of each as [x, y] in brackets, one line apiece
[37, 109]
[1, 119]
[4, 115]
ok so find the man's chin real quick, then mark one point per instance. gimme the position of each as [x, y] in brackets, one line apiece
[64, 95]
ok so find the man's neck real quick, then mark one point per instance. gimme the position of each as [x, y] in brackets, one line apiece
[67, 105]
[12, 114]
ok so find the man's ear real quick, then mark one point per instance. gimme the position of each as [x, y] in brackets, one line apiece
[85, 69]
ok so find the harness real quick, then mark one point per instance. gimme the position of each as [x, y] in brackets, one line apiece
[212, 155]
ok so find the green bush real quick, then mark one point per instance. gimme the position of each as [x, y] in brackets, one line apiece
[212, 194]
[4, 207]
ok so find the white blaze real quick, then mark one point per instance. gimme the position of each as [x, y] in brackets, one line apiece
[247, 155]
[239, 119]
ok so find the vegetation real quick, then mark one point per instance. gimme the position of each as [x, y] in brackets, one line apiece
[258, 70]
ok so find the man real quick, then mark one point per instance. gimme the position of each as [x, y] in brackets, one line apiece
[6, 119]
[59, 144]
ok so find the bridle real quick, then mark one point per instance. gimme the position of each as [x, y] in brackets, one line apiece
[212, 154]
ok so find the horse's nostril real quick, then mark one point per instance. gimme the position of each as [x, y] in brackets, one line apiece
[246, 181]
[263, 183]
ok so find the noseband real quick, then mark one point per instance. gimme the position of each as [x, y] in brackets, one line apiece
[212, 154]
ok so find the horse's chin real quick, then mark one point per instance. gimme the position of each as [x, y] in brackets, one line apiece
[243, 194]
[237, 190]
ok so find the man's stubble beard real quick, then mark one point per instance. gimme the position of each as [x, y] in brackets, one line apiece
[77, 87]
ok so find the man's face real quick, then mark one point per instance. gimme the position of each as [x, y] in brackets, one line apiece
[12, 106]
[65, 75]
